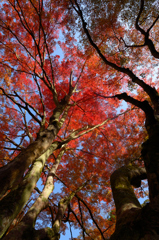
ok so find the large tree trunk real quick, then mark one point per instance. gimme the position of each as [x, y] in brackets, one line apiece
[133, 221]
[12, 173]
[25, 229]
[13, 203]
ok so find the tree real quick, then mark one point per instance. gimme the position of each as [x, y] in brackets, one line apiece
[62, 119]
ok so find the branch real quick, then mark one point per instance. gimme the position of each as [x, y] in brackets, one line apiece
[80, 223]
[21, 106]
[71, 88]
[19, 41]
[70, 231]
[86, 129]
[138, 17]
[47, 49]
[79, 206]
[14, 143]
[70, 83]
[134, 45]
[27, 104]
[51, 212]
[63, 204]
[91, 215]
[83, 203]
[145, 106]
[43, 106]
[149, 90]
[13, 149]
[148, 41]
[26, 27]
[26, 126]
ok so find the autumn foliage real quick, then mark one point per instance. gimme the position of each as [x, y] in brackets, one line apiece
[65, 117]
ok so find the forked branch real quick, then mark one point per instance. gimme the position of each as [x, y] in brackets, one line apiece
[148, 89]
[147, 41]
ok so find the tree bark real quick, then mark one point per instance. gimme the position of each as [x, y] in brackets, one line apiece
[13, 203]
[133, 221]
[12, 173]
[28, 221]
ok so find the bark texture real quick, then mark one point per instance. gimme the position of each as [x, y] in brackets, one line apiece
[133, 221]
[13, 203]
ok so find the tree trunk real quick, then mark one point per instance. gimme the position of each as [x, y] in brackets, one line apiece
[12, 173]
[27, 224]
[133, 221]
[13, 203]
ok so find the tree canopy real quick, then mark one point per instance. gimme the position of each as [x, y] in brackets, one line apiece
[79, 96]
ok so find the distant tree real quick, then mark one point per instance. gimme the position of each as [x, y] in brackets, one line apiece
[65, 67]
